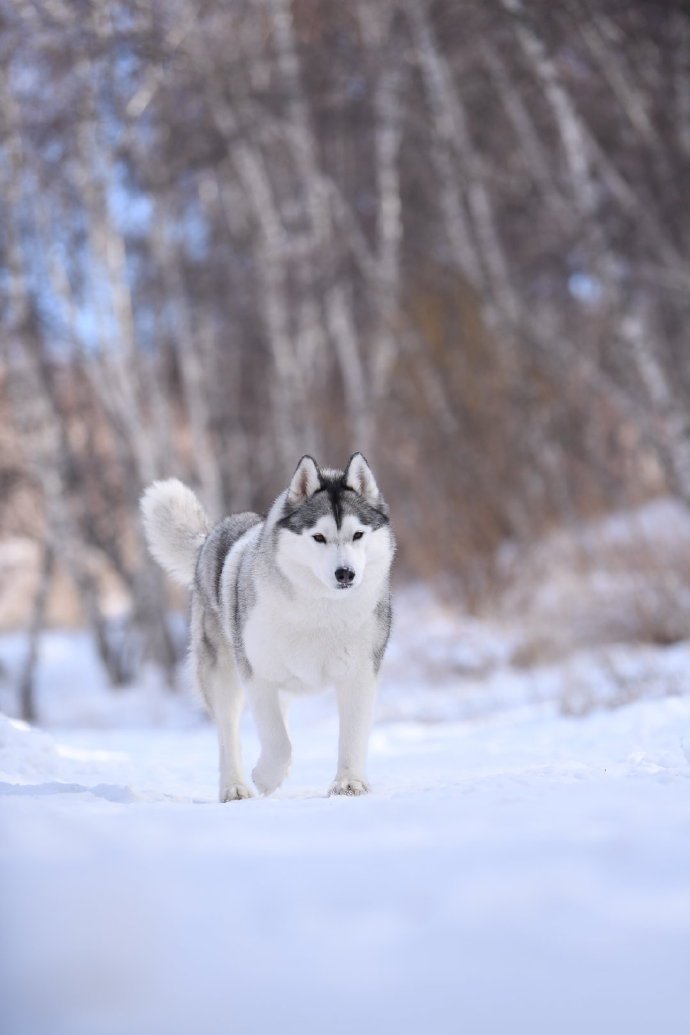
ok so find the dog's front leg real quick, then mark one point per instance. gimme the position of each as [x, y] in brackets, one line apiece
[276, 750]
[356, 699]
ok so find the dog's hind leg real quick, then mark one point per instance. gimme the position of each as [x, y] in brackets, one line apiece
[218, 681]
[228, 710]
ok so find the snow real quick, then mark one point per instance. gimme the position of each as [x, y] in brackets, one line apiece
[522, 864]
[72, 688]
[527, 873]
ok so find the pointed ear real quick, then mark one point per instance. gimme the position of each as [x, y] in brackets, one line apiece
[305, 481]
[358, 476]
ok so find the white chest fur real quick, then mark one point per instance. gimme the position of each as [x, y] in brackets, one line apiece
[307, 646]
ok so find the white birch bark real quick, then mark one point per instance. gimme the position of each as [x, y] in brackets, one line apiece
[190, 358]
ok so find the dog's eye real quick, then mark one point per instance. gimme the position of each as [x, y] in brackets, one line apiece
[318, 538]
[357, 535]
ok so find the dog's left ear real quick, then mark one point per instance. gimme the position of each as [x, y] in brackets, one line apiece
[359, 477]
[305, 481]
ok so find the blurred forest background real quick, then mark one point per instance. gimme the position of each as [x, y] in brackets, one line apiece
[453, 234]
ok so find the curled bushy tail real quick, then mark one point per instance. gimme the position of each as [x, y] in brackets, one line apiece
[176, 525]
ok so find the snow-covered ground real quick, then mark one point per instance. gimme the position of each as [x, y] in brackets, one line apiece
[523, 873]
[522, 864]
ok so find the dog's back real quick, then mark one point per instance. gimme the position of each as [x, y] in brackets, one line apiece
[214, 553]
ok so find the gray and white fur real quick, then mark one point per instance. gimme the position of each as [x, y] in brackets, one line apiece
[284, 604]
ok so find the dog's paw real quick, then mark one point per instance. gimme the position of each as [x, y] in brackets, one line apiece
[349, 785]
[235, 792]
[268, 778]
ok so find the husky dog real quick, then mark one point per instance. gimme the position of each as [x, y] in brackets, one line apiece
[283, 604]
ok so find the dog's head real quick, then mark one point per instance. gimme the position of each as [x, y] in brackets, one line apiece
[336, 526]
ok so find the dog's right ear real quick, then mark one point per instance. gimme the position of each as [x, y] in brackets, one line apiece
[359, 478]
[305, 481]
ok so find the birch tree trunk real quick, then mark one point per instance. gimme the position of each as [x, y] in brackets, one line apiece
[27, 702]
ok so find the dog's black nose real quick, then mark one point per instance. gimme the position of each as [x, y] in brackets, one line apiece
[344, 576]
